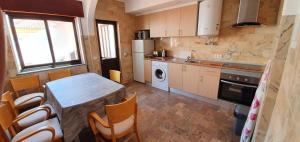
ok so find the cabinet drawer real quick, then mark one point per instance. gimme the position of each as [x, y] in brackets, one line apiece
[210, 71]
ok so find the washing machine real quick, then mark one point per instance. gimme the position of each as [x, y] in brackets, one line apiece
[160, 75]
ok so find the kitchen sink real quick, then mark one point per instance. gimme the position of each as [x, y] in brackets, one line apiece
[193, 61]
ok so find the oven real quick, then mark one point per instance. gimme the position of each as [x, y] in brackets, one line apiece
[238, 87]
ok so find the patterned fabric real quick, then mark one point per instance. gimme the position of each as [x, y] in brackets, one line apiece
[253, 113]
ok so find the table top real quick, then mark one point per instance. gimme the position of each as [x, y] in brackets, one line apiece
[80, 89]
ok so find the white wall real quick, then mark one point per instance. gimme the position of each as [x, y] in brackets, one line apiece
[291, 7]
[136, 5]
[89, 8]
[145, 6]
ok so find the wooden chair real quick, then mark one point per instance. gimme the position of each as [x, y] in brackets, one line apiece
[59, 74]
[115, 75]
[120, 121]
[27, 84]
[48, 130]
[29, 117]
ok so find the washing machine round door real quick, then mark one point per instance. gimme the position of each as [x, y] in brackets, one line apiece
[160, 75]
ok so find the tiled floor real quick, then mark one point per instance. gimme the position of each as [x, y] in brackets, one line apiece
[164, 117]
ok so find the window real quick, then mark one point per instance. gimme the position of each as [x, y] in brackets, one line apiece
[48, 41]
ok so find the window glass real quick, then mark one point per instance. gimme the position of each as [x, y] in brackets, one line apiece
[63, 40]
[33, 41]
[107, 41]
[42, 40]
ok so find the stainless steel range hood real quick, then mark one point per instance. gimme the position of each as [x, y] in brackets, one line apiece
[248, 13]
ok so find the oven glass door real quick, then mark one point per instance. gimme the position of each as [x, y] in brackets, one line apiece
[236, 92]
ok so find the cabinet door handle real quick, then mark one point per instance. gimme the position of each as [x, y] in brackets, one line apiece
[238, 84]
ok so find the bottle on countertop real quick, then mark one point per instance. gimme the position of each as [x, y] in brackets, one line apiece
[163, 53]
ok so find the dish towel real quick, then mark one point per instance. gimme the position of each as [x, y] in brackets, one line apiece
[255, 106]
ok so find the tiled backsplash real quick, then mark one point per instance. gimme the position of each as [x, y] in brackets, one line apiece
[253, 45]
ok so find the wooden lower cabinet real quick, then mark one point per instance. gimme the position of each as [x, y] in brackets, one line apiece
[208, 85]
[190, 78]
[197, 80]
[175, 75]
[148, 70]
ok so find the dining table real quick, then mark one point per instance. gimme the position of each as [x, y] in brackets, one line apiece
[74, 97]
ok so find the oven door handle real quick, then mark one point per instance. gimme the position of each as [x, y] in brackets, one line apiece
[238, 84]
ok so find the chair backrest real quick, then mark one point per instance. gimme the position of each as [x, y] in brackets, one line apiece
[59, 74]
[115, 75]
[7, 117]
[25, 83]
[119, 112]
[7, 97]
[3, 137]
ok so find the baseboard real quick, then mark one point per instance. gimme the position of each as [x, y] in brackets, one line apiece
[218, 102]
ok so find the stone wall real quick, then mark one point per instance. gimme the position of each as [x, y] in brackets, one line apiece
[278, 61]
[284, 125]
[247, 45]
[115, 11]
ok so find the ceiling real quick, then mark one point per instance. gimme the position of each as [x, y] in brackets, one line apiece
[140, 7]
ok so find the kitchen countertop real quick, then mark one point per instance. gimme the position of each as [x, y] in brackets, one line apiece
[204, 63]
[212, 64]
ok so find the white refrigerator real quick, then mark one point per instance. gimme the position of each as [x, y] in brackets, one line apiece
[140, 48]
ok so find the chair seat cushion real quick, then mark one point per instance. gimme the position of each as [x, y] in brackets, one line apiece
[119, 127]
[34, 118]
[44, 136]
[53, 112]
[19, 101]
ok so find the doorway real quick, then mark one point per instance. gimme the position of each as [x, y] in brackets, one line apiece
[109, 46]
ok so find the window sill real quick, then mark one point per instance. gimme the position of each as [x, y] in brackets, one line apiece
[46, 68]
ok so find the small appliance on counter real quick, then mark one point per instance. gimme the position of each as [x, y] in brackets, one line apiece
[160, 53]
[142, 35]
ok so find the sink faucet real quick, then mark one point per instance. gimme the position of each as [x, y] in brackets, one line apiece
[188, 58]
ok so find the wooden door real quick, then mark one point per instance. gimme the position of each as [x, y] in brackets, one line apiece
[142, 22]
[158, 24]
[190, 78]
[188, 20]
[172, 22]
[209, 79]
[109, 48]
[148, 70]
[175, 75]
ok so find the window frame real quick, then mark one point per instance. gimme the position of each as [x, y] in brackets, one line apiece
[44, 18]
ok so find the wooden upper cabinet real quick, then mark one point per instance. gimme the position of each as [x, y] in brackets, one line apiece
[188, 20]
[172, 22]
[158, 24]
[143, 22]
[175, 75]
[208, 85]
[190, 78]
